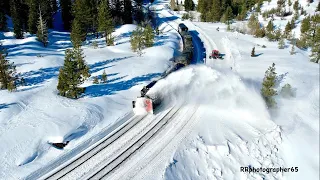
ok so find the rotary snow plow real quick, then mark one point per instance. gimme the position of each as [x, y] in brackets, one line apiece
[145, 103]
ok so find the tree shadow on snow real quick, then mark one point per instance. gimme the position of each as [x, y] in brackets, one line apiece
[100, 65]
[4, 106]
[111, 88]
[37, 77]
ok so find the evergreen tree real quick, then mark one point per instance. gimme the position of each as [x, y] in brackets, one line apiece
[289, 3]
[188, 5]
[267, 91]
[127, 14]
[243, 13]
[7, 74]
[105, 21]
[292, 51]
[33, 16]
[66, 13]
[95, 80]
[54, 5]
[73, 73]
[296, 5]
[3, 18]
[16, 9]
[42, 32]
[253, 24]
[253, 54]
[288, 29]
[318, 7]
[228, 15]
[137, 40]
[315, 48]
[281, 44]
[104, 77]
[270, 26]
[77, 34]
[138, 14]
[117, 12]
[148, 36]
[215, 12]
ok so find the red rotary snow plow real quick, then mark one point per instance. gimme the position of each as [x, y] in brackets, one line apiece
[215, 54]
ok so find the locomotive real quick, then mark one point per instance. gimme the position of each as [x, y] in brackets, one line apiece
[145, 103]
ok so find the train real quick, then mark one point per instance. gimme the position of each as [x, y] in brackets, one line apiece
[146, 103]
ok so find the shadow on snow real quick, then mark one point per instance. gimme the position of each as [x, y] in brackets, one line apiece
[112, 88]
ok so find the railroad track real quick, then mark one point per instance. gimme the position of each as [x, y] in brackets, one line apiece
[111, 165]
[80, 160]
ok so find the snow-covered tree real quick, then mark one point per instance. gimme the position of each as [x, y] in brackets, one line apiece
[281, 44]
[42, 32]
[267, 91]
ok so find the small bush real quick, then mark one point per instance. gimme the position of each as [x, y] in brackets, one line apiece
[95, 80]
[185, 16]
[264, 46]
[287, 91]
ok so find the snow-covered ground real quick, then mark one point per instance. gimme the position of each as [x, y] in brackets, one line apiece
[36, 115]
[223, 126]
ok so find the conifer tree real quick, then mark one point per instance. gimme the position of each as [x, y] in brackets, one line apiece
[137, 40]
[188, 5]
[105, 21]
[148, 36]
[73, 73]
[315, 48]
[33, 16]
[243, 13]
[95, 80]
[42, 32]
[16, 9]
[281, 44]
[296, 5]
[3, 18]
[318, 7]
[267, 91]
[270, 26]
[77, 34]
[215, 12]
[292, 51]
[288, 29]
[253, 53]
[253, 24]
[7, 74]
[66, 13]
[104, 77]
[127, 13]
[228, 15]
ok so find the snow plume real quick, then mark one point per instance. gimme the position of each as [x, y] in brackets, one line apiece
[234, 129]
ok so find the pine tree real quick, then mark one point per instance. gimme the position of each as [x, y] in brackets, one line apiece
[127, 14]
[16, 9]
[188, 5]
[289, 3]
[228, 15]
[292, 51]
[215, 12]
[270, 26]
[104, 77]
[77, 33]
[148, 36]
[267, 91]
[95, 80]
[253, 24]
[7, 74]
[281, 44]
[315, 48]
[318, 7]
[105, 21]
[42, 32]
[66, 13]
[3, 18]
[137, 40]
[288, 29]
[243, 13]
[296, 5]
[33, 16]
[73, 73]
[253, 54]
